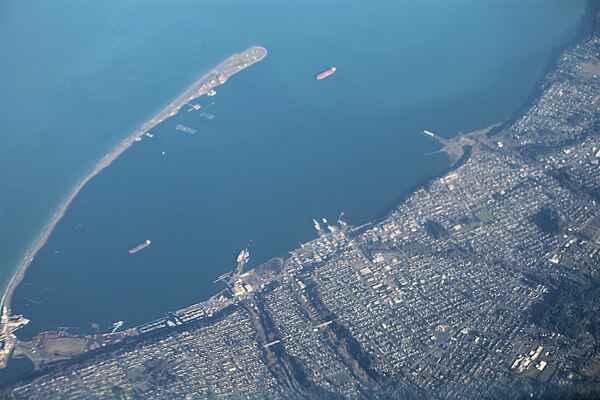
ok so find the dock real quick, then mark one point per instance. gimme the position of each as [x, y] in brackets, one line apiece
[435, 137]
[186, 129]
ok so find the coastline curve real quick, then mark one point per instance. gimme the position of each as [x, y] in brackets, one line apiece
[215, 77]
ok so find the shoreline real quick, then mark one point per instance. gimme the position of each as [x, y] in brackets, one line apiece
[18, 276]
[586, 29]
[214, 77]
[43, 238]
[585, 32]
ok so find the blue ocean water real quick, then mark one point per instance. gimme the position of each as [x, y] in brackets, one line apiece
[283, 148]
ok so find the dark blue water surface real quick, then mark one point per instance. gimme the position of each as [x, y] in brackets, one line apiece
[283, 148]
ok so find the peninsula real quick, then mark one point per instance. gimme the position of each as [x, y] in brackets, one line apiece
[205, 84]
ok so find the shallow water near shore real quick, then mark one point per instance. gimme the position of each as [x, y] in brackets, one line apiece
[281, 150]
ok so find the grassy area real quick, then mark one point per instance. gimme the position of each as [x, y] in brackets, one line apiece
[532, 372]
[441, 336]
[136, 374]
[546, 374]
[340, 378]
[567, 261]
[484, 216]
[65, 347]
[592, 370]
[26, 349]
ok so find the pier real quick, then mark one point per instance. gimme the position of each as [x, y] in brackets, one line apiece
[186, 129]
[435, 137]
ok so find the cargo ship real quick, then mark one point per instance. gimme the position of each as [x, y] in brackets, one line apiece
[139, 247]
[325, 74]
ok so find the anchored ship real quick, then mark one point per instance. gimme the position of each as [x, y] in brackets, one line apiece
[139, 247]
[325, 74]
